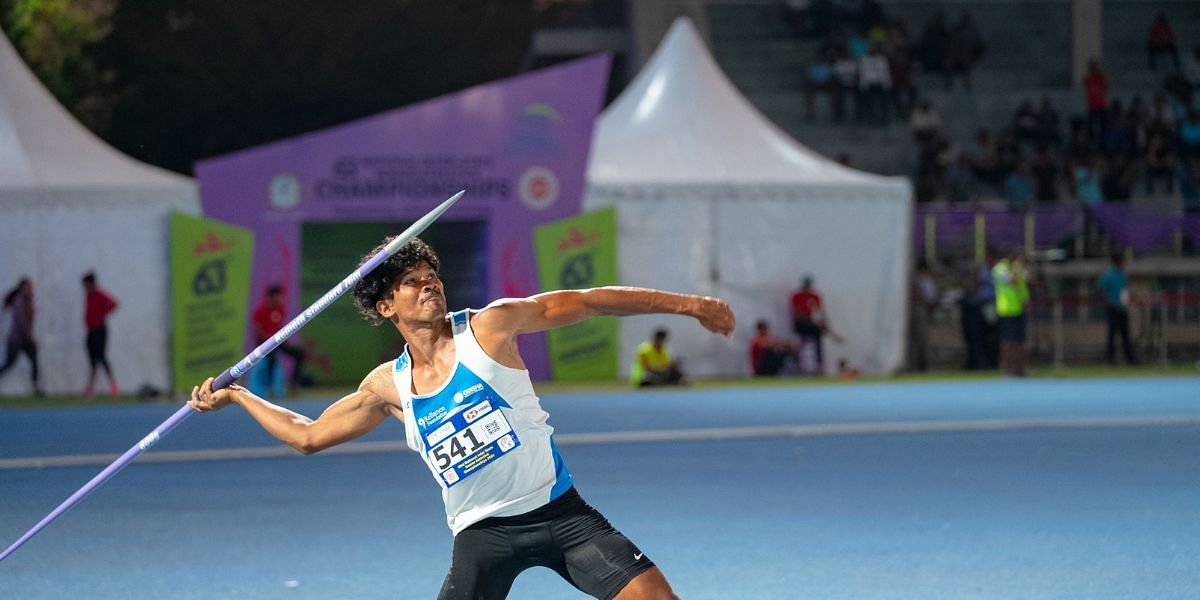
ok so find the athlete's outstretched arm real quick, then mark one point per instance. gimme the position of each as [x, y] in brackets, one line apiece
[348, 418]
[567, 307]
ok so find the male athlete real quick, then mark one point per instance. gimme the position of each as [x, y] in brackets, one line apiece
[469, 409]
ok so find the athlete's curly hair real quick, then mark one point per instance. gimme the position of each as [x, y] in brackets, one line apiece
[375, 285]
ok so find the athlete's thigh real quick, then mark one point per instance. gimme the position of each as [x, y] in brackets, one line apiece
[598, 559]
[483, 567]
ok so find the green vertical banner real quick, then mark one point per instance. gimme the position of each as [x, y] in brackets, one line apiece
[210, 294]
[573, 253]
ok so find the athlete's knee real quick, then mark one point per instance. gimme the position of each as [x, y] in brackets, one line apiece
[648, 585]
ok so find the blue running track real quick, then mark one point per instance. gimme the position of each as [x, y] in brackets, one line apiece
[998, 489]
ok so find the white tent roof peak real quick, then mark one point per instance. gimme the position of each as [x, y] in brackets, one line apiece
[682, 121]
[43, 146]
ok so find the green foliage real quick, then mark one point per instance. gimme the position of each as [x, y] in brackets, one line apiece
[53, 36]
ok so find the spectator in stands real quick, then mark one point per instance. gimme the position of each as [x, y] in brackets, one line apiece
[923, 301]
[1119, 140]
[1025, 123]
[1189, 184]
[971, 320]
[845, 73]
[20, 335]
[269, 316]
[97, 305]
[985, 158]
[1088, 175]
[1162, 116]
[932, 48]
[1019, 187]
[925, 122]
[819, 79]
[960, 180]
[964, 49]
[1161, 41]
[768, 353]
[1049, 124]
[808, 318]
[1160, 162]
[1045, 173]
[1119, 178]
[1012, 294]
[875, 86]
[1116, 309]
[903, 72]
[1189, 134]
[1095, 88]
[653, 365]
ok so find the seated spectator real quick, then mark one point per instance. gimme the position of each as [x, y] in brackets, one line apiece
[903, 72]
[985, 158]
[845, 73]
[1189, 134]
[1088, 175]
[1095, 88]
[964, 48]
[1161, 41]
[1048, 123]
[653, 365]
[1019, 187]
[875, 87]
[1118, 179]
[931, 50]
[1189, 184]
[925, 122]
[818, 79]
[1025, 123]
[1045, 173]
[1162, 116]
[1160, 162]
[960, 180]
[769, 353]
[1119, 139]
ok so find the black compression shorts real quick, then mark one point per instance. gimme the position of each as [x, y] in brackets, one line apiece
[566, 535]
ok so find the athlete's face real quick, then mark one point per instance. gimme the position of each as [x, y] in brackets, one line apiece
[416, 295]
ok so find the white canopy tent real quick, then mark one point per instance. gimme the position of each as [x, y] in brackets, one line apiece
[69, 203]
[714, 199]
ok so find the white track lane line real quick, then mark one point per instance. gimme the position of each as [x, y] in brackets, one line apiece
[629, 437]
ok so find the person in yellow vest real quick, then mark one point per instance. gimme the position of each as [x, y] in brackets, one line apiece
[1012, 294]
[653, 365]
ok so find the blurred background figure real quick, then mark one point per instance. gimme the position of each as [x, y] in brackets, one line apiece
[20, 335]
[269, 316]
[97, 305]
[1012, 293]
[809, 320]
[769, 353]
[653, 365]
[921, 306]
[1115, 287]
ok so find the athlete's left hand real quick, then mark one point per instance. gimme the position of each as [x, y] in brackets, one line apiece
[714, 315]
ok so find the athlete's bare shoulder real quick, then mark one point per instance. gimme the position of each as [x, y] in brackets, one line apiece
[379, 383]
[502, 316]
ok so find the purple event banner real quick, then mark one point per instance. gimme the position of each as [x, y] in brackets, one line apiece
[518, 146]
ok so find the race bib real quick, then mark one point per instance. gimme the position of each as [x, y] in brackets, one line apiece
[468, 441]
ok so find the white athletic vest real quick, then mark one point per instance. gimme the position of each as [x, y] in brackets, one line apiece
[483, 435]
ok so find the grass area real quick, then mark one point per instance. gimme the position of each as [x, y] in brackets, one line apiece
[553, 387]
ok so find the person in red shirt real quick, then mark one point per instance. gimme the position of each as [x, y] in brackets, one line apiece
[1161, 41]
[1095, 87]
[767, 352]
[97, 305]
[270, 317]
[808, 318]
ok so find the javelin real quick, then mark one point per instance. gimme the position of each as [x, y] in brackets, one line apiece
[232, 373]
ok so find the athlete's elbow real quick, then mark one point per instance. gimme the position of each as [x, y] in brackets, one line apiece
[307, 445]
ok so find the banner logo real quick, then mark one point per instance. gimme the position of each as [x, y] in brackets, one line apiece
[538, 188]
[284, 192]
